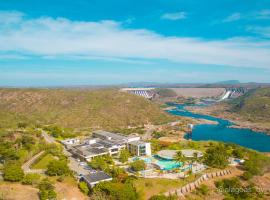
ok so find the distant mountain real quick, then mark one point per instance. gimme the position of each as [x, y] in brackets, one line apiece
[228, 82]
[78, 108]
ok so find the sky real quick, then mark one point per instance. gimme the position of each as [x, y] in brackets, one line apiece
[97, 42]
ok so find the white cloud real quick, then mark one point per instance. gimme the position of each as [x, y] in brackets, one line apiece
[62, 38]
[264, 31]
[232, 17]
[256, 15]
[263, 14]
[174, 16]
[9, 17]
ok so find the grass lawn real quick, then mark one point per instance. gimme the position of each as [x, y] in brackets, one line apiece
[42, 164]
[150, 187]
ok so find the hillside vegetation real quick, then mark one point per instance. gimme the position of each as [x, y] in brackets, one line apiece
[254, 106]
[77, 108]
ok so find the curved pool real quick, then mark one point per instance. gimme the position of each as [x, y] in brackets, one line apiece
[163, 164]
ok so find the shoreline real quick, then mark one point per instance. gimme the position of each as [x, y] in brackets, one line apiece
[236, 120]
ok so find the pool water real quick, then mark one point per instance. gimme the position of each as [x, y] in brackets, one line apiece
[163, 164]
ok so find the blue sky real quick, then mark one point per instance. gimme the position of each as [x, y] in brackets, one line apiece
[67, 42]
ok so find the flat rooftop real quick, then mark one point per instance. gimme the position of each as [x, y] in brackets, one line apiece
[114, 136]
[88, 150]
[96, 177]
[170, 154]
[139, 142]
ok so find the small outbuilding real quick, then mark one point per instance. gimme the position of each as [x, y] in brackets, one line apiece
[94, 178]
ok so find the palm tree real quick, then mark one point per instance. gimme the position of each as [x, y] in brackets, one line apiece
[180, 158]
[194, 159]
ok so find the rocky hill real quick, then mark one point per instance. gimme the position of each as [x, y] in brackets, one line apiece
[254, 106]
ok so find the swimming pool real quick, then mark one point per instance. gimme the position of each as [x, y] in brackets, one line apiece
[163, 164]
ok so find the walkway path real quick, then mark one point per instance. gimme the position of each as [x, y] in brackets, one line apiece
[193, 185]
[26, 166]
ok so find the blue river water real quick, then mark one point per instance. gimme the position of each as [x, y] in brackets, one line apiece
[223, 132]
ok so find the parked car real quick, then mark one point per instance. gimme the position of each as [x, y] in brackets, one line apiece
[82, 163]
[88, 167]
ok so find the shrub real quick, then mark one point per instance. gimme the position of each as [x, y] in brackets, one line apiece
[46, 190]
[256, 164]
[137, 165]
[203, 190]
[117, 191]
[57, 168]
[216, 156]
[101, 162]
[247, 176]
[233, 189]
[13, 172]
[60, 178]
[83, 187]
[163, 197]
[31, 179]
[124, 155]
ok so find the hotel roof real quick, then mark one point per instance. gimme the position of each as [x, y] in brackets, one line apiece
[96, 177]
[139, 142]
[114, 136]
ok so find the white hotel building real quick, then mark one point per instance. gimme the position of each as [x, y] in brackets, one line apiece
[103, 143]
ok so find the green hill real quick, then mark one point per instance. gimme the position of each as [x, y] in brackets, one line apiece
[254, 106]
[77, 108]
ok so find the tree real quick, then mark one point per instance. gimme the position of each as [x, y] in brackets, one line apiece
[46, 190]
[84, 187]
[13, 172]
[179, 157]
[194, 159]
[137, 165]
[27, 141]
[216, 156]
[117, 191]
[31, 179]
[124, 155]
[238, 153]
[7, 151]
[99, 163]
[57, 168]
[117, 172]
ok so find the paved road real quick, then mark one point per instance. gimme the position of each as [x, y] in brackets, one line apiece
[48, 138]
[74, 166]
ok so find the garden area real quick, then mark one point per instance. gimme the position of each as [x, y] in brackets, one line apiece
[43, 162]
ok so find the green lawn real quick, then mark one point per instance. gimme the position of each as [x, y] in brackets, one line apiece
[42, 164]
[150, 187]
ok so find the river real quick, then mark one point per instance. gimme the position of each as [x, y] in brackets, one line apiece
[222, 131]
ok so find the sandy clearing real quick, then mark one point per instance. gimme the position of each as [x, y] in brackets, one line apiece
[15, 191]
[66, 191]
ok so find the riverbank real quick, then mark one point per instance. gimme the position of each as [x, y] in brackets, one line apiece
[220, 111]
[204, 121]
